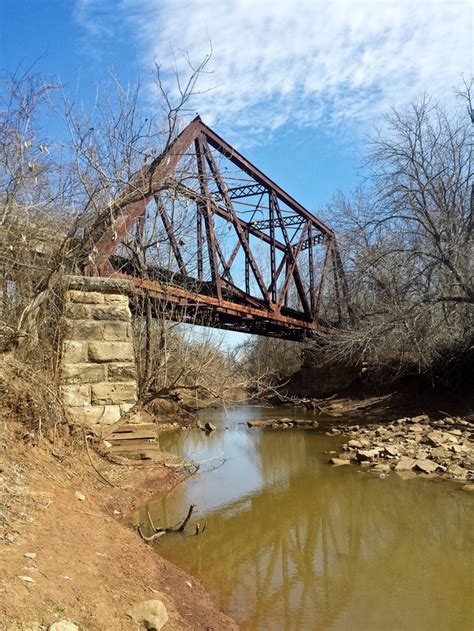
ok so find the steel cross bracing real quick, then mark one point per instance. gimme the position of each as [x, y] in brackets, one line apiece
[216, 242]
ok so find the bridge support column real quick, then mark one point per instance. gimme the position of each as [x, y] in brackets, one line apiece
[98, 379]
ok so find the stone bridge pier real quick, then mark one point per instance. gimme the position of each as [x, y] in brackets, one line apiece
[97, 371]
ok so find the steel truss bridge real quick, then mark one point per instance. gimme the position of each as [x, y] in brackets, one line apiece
[214, 241]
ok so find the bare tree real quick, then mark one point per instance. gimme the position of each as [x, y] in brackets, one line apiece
[408, 244]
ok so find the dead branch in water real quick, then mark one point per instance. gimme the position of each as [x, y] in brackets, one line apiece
[179, 527]
[187, 518]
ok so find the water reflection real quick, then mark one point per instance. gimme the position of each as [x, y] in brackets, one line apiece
[294, 544]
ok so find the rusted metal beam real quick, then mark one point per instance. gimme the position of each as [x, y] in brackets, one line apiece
[293, 255]
[237, 192]
[224, 214]
[257, 317]
[247, 167]
[233, 217]
[117, 219]
[208, 220]
[169, 231]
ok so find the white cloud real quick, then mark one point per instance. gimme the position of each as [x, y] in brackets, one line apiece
[308, 61]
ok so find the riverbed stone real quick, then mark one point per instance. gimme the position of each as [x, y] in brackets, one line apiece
[437, 438]
[150, 614]
[439, 453]
[368, 454]
[405, 464]
[339, 461]
[63, 625]
[458, 472]
[426, 466]
[381, 467]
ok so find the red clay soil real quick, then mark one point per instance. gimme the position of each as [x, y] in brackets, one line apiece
[89, 568]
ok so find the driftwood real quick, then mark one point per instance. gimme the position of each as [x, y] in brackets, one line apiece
[159, 532]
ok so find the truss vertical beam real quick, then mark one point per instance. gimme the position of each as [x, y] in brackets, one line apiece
[170, 233]
[199, 214]
[293, 263]
[291, 268]
[311, 268]
[271, 212]
[233, 217]
[322, 281]
[247, 267]
[208, 219]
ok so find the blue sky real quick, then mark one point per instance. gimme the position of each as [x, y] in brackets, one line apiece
[296, 85]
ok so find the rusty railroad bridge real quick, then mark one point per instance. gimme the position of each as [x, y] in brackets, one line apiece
[214, 241]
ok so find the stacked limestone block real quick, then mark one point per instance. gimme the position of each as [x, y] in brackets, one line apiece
[97, 370]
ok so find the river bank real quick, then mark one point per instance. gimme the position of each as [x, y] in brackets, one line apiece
[65, 553]
[411, 446]
[435, 447]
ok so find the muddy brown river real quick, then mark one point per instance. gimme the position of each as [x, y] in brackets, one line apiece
[292, 543]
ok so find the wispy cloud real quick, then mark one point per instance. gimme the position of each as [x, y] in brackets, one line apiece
[309, 62]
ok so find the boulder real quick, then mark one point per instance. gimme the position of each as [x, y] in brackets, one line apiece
[437, 438]
[149, 614]
[422, 418]
[392, 450]
[339, 461]
[440, 453]
[405, 464]
[381, 467]
[458, 472]
[63, 625]
[421, 454]
[367, 454]
[355, 444]
[427, 466]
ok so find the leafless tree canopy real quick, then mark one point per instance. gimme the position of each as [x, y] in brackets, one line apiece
[408, 244]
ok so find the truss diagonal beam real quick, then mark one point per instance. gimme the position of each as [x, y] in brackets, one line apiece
[233, 217]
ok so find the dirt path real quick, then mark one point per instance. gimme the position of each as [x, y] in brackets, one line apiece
[87, 567]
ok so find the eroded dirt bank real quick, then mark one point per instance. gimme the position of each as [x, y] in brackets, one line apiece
[65, 555]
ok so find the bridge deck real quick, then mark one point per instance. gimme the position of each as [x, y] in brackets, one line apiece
[184, 305]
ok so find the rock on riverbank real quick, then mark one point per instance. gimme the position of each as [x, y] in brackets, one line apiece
[412, 445]
[283, 423]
